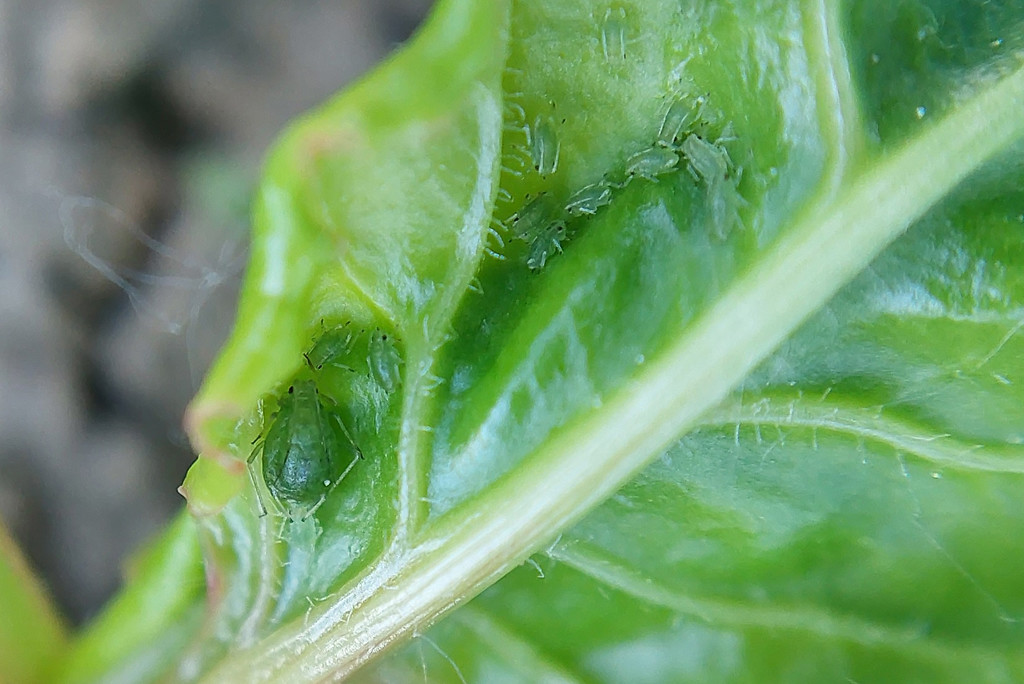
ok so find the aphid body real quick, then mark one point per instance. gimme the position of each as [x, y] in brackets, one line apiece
[613, 34]
[588, 199]
[307, 451]
[546, 243]
[544, 146]
[679, 116]
[534, 217]
[384, 361]
[651, 163]
[707, 161]
[710, 163]
[330, 347]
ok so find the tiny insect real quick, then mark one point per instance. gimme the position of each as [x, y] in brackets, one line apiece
[331, 346]
[384, 360]
[307, 451]
[679, 116]
[706, 161]
[710, 163]
[651, 163]
[588, 199]
[534, 217]
[545, 244]
[613, 34]
[544, 146]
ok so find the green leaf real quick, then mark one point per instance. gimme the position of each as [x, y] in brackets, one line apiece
[747, 434]
[31, 631]
[143, 630]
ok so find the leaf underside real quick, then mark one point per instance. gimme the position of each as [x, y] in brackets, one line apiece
[763, 426]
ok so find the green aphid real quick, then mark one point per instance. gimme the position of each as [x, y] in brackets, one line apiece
[613, 34]
[588, 199]
[534, 217]
[710, 163]
[384, 361]
[680, 115]
[545, 244]
[651, 163]
[307, 451]
[544, 146]
[707, 161]
[331, 346]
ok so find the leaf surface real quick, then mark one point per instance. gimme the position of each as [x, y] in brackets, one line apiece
[745, 428]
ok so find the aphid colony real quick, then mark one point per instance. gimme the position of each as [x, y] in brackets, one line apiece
[682, 141]
[306, 445]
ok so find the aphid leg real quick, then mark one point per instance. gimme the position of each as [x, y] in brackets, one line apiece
[252, 476]
[521, 160]
[497, 236]
[345, 472]
[323, 497]
[348, 436]
[516, 110]
[511, 172]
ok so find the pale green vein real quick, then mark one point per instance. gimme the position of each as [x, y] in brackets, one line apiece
[839, 114]
[724, 614]
[872, 424]
[420, 365]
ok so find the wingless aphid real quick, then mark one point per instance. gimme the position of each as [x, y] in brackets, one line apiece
[588, 199]
[613, 34]
[544, 146]
[546, 243]
[534, 217]
[651, 163]
[384, 361]
[680, 114]
[307, 451]
[706, 161]
[710, 163]
[331, 346]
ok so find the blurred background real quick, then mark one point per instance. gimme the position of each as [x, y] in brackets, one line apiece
[131, 134]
